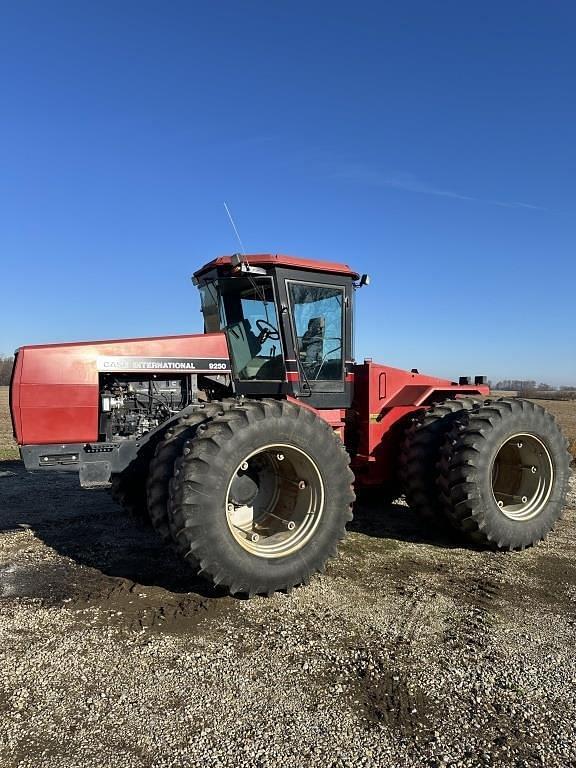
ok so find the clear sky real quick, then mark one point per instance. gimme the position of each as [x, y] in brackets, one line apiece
[431, 144]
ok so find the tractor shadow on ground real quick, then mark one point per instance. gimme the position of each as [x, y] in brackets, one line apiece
[396, 521]
[91, 530]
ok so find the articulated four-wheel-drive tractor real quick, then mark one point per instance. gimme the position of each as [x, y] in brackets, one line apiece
[243, 445]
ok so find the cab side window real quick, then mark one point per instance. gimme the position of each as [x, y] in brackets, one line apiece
[318, 320]
[250, 322]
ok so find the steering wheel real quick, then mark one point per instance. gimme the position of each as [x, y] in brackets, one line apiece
[267, 330]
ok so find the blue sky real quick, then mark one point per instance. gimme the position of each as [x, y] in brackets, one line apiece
[429, 144]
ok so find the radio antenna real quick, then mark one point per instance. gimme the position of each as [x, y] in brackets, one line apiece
[257, 289]
[235, 230]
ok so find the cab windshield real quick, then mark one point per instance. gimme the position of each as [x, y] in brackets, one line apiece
[244, 308]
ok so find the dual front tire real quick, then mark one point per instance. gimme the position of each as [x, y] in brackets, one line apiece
[254, 496]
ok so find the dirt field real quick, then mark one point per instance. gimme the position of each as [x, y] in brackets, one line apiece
[408, 651]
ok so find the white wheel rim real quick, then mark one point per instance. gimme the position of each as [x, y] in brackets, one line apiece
[522, 476]
[288, 503]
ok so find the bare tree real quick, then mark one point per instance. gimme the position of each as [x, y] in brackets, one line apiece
[516, 384]
[6, 365]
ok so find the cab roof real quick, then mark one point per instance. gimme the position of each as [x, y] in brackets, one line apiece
[279, 260]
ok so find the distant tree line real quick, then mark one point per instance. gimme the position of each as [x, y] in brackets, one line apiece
[518, 384]
[6, 364]
[522, 385]
[529, 388]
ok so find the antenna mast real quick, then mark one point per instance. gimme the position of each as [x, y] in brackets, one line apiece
[235, 230]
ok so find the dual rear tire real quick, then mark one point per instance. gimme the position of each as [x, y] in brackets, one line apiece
[495, 470]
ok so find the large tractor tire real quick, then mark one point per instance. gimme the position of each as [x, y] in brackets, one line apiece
[161, 467]
[503, 473]
[260, 498]
[420, 455]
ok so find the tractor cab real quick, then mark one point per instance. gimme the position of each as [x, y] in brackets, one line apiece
[288, 324]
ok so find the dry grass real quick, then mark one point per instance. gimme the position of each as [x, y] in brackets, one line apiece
[565, 413]
[8, 447]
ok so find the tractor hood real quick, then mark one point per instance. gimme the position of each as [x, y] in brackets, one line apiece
[54, 395]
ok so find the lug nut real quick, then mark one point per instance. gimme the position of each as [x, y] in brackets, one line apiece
[254, 537]
[230, 507]
[302, 484]
[280, 456]
[244, 466]
[291, 525]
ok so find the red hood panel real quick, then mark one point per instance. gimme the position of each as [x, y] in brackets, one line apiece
[55, 386]
[80, 362]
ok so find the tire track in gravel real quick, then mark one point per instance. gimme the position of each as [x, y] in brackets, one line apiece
[382, 689]
[99, 600]
[414, 613]
[384, 695]
[476, 599]
[385, 684]
[83, 554]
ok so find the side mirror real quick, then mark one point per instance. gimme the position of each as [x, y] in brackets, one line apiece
[364, 280]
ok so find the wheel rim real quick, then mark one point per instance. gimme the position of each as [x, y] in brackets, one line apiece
[274, 501]
[522, 476]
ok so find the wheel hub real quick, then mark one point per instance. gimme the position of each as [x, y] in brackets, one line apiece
[244, 488]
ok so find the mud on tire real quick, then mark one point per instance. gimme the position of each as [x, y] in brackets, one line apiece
[240, 484]
[503, 473]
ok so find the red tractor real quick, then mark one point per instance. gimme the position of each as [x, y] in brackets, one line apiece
[243, 445]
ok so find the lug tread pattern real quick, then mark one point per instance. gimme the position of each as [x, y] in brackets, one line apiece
[128, 488]
[420, 453]
[465, 460]
[161, 466]
[196, 479]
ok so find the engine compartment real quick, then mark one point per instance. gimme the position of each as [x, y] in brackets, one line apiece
[129, 408]
[132, 406]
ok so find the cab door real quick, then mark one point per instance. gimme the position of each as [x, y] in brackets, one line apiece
[319, 323]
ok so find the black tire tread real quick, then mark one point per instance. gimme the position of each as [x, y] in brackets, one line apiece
[128, 488]
[161, 466]
[420, 453]
[197, 469]
[463, 464]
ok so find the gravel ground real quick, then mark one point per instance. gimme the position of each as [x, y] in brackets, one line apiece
[408, 651]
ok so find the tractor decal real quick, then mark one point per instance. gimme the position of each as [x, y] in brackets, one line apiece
[195, 364]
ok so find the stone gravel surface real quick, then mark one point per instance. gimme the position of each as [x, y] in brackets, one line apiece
[409, 651]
